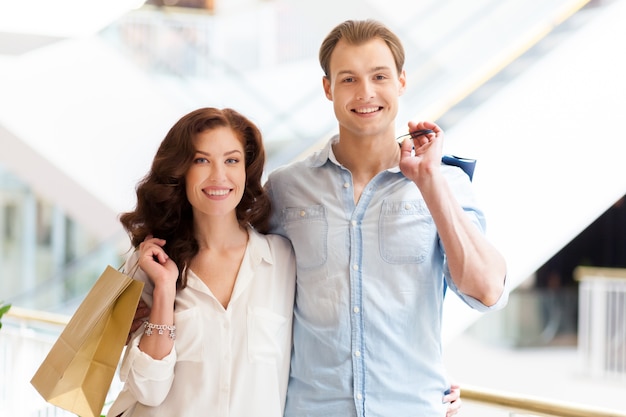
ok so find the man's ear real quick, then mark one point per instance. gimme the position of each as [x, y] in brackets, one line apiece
[326, 85]
[402, 81]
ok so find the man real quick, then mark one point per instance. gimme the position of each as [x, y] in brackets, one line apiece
[375, 226]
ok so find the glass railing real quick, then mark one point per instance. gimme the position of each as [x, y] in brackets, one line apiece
[602, 326]
[27, 336]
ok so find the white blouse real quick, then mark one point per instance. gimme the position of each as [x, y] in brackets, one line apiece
[225, 362]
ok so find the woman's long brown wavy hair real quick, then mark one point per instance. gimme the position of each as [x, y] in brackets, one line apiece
[163, 209]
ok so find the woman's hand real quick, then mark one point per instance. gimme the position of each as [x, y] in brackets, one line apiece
[163, 272]
[453, 399]
[141, 315]
[156, 264]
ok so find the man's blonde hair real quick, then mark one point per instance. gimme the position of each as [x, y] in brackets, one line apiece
[357, 32]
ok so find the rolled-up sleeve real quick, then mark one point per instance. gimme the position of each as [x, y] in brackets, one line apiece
[148, 379]
[477, 305]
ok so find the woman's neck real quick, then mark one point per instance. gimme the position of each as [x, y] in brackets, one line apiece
[220, 233]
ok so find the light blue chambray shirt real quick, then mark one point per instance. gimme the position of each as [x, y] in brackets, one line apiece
[369, 290]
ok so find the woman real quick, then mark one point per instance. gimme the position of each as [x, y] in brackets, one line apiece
[218, 338]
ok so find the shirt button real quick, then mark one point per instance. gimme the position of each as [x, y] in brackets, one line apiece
[353, 222]
[346, 185]
[357, 353]
[359, 396]
[407, 207]
[355, 267]
[302, 213]
[356, 309]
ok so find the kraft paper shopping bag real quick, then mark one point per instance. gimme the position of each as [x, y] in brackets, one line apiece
[77, 373]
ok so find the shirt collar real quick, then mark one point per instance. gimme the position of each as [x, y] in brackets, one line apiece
[257, 251]
[259, 248]
[327, 154]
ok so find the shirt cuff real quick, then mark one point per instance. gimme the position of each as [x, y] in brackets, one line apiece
[479, 306]
[146, 367]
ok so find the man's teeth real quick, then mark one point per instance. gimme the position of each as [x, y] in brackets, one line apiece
[367, 110]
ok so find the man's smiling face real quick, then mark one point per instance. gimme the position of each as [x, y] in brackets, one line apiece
[364, 87]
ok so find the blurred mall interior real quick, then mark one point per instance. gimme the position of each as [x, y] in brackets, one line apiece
[535, 91]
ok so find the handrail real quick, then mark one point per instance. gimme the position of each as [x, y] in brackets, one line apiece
[37, 316]
[535, 405]
[583, 273]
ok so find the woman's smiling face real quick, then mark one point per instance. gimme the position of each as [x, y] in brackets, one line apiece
[216, 179]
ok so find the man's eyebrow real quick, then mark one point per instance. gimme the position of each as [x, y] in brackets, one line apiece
[345, 72]
[371, 70]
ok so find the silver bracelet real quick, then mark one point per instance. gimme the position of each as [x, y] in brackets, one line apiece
[160, 328]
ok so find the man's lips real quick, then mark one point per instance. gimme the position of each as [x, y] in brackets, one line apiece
[367, 110]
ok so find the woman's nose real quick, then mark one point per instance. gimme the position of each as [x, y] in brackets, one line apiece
[216, 174]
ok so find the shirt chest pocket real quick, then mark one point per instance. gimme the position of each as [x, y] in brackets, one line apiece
[266, 334]
[307, 228]
[407, 232]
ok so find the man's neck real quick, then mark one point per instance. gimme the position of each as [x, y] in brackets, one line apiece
[367, 157]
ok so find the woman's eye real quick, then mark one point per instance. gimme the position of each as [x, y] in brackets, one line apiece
[232, 160]
[200, 160]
